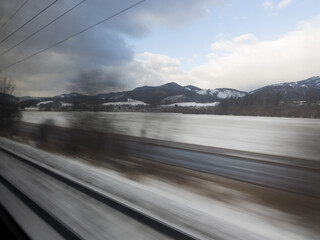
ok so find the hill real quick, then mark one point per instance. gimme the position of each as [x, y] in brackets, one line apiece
[301, 98]
[291, 99]
[165, 94]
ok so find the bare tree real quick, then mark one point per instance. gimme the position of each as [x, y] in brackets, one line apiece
[9, 108]
[6, 85]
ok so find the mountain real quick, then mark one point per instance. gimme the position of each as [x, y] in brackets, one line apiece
[8, 97]
[291, 99]
[104, 96]
[171, 93]
[313, 82]
[68, 95]
[154, 95]
[192, 88]
[164, 94]
[214, 95]
[222, 93]
[27, 98]
[292, 91]
[77, 98]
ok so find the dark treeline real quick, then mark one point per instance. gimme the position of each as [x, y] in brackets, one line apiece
[9, 107]
[272, 104]
[9, 111]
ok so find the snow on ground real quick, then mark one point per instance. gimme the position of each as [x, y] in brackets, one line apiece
[86, 216]
[293, 137]
[64, 104]
[31, 109]
[227, 93]
[203, 217]
[45, 102]
[203, 91]
[221, 93]
[191, 104]
[129, 103]
[29, 221]
[117, 96]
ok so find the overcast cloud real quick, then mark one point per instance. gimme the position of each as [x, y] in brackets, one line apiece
[104, 58]
[244, 62]
[247, 63]
[100, 50]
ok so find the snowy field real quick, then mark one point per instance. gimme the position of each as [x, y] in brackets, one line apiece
[200, 216]
[293, 137]
[191, 104]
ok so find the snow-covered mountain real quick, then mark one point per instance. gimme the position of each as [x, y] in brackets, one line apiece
[174, 93]
[26, 98]
[171, 93]
[313, 82]
[222, 93]
[192, 88]
[218, 93]
[292, 91]
[69, 95]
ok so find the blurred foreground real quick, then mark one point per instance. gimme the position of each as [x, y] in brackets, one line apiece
[192, 188]
[292, 137]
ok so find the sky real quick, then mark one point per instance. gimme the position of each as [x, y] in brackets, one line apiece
[241, 44]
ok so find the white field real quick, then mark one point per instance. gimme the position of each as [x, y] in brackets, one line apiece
[293, 137]
[132, 103]
[200, 216]
[191, 104]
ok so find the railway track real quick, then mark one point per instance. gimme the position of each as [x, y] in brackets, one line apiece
[284, 176]
[65, 231]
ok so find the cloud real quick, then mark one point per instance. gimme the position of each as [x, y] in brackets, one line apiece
[268, 5]
[147, 69]
[103, 58]
[244, 62]
[104, 48]
[284, 3]
[95, 81]
[250, 64]
[226, 46]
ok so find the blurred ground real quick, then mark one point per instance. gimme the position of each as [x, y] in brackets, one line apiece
[246, 207]
[291, 137]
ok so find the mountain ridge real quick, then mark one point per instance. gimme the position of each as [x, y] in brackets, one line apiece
[172, 92]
